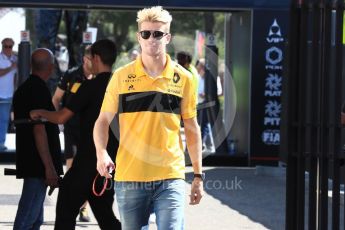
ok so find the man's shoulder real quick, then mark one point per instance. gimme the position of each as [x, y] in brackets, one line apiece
[180, 70]
[3, 57]
[124, 70]
[31, 84]
[75, 72]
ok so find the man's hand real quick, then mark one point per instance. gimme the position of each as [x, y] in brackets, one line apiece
[197, 191]
[52, 178]
[105, 165]
[14, 65]
[36, 114]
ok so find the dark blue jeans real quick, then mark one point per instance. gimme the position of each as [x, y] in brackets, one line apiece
[5, 109]
[30, 208]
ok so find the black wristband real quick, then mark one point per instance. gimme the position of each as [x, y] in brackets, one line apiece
[201, 176]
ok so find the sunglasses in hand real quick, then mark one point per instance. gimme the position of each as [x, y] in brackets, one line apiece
[145, 34]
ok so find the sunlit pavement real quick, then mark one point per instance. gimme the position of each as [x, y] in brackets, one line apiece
[235, 198]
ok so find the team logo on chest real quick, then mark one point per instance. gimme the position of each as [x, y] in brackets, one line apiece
[174, 85]
[131, 78]
[176, 78]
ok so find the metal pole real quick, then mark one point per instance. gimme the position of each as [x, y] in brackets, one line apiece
[290, 110]
[24, 54]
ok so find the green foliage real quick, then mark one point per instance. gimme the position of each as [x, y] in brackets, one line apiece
[121, 26]
[186, 23]
[116, 25]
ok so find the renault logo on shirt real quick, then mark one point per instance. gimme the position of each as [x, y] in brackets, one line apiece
[131, 87]
[176, 78]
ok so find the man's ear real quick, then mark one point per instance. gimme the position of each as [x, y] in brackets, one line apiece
[97, 58]
[168, 38]
[138, 37]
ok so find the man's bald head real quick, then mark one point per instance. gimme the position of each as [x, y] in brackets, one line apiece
[42, 62]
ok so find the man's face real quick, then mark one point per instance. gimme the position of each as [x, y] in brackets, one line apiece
[7, 47]
[201, 69]
[159, 37]
[87, 64]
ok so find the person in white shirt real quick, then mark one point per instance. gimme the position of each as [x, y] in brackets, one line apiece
[8, 70]
[205, 127]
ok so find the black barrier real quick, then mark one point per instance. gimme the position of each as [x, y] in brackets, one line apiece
[28, 121]
[10, 172]
[13, 172]
[311, 124]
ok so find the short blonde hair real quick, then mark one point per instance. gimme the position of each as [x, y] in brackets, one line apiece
[154, 14]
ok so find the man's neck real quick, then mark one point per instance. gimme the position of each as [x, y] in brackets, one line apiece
[103, 69]
[7, 55]
[86, 72]
[154, 66]
[42, 75]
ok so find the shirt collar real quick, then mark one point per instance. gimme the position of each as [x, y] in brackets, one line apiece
[168, 71]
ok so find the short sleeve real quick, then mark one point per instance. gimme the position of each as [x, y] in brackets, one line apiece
[188, 105]
[111, 97]
[63, 81]
[78, 100]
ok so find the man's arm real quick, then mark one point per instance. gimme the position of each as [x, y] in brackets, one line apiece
[343, 118]
[41, 142]
[57, 117]
[100, 137]
[8, 69]
[193, 139]
[57, 97]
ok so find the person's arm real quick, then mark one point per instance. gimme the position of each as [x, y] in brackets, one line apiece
[100, 137]
[57, 117]
[5, 71]
[57, 97]
[41, 141]
[193, 140]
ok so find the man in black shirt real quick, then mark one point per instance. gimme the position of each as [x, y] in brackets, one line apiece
[37, 144]
[67, 86]
[76, 186]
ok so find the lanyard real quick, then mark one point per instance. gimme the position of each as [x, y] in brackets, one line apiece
[105, 185]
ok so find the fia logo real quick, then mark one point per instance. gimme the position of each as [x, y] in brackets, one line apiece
[131, 76]
[131, 87]
[176, 78]
[271, 137]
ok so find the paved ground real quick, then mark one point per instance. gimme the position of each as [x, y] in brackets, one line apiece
[235, 198]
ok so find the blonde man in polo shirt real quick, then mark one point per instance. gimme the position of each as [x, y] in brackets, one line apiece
[151, 94]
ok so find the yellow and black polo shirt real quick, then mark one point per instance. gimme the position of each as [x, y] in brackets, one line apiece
[150, 111]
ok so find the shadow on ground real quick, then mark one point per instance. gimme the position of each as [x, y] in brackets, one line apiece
[259, 196]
